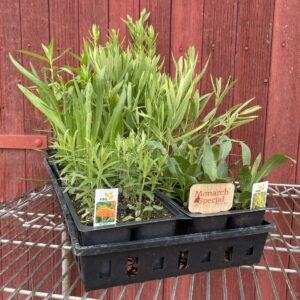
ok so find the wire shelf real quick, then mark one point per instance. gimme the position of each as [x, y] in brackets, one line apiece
[36, 258]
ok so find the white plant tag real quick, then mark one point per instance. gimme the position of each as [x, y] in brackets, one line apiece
[259, 195]
[106, 205]
[210, 198]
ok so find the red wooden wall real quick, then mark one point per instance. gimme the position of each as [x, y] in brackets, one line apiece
[254, 41]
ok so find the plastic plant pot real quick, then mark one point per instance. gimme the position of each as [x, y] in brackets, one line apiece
[120, 232]
[217, 221]
[108, 265]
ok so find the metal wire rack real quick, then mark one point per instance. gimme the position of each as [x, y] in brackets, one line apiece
[36, 259]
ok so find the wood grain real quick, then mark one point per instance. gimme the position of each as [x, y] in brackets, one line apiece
[218, 44]
[186, 29]
[93, 12]
[160, 18]
[283, 122]
[11, 115]
[118, 10]
[35, 22]
[252, 65]
[238, 37]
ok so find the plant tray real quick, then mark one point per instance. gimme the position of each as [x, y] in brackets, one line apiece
[90, 235]
[218, 221]
[107, 265]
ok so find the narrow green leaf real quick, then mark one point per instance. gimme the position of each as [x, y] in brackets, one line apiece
[35, 55]
[40, 105]
[274, 161]
[256, 165]
[115, 120]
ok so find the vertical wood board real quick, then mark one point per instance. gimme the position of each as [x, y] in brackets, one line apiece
[160, 19]
[252, 65]
[93, 12]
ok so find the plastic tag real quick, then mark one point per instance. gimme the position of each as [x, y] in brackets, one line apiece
[259, 195]
[211, 197]
[105, 209]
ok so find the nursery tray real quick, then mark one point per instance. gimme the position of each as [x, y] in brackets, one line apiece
[121, 232]
[218, 221]
[107, 265]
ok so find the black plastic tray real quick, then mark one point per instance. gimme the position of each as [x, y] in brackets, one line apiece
[107, 265]
[90, 235]
[217, 221]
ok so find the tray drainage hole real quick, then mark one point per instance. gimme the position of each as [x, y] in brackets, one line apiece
[228, 254]
[132, 266]
[105, 269]
[250, 251]
[183, 260]
[158, 263]
[206, 257]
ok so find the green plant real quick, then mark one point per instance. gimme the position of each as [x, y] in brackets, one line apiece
[119, 120]
[249, 174]
[190, 165]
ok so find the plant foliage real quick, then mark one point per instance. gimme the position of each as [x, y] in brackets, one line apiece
[120, 121]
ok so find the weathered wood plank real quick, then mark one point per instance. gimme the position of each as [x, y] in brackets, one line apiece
[93, 12]
[35, 22]
[64, 28]
[218, 43]
[219, 37]
[283, 123]
[186, 28]
[252, 71]
[12, 169]
[118, 10]
[252, 65]
[160, 18]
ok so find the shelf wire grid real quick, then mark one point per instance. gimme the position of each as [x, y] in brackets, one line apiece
[36, 258]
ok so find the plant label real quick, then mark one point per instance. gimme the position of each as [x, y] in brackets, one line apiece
[210, 197]
[259, 195]
[106, 204]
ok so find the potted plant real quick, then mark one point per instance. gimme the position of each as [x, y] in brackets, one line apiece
[101, 135]
[116, 100]
[212, 167]
[120, 122]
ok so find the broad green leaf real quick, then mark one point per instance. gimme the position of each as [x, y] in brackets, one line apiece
[148, 208]
[225, 147]
[209, 163]
[222, 169]
[244, 177]
[246, 154]
[242, 200]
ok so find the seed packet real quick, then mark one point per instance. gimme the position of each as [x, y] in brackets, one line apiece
[259, 195]
[106, 204]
